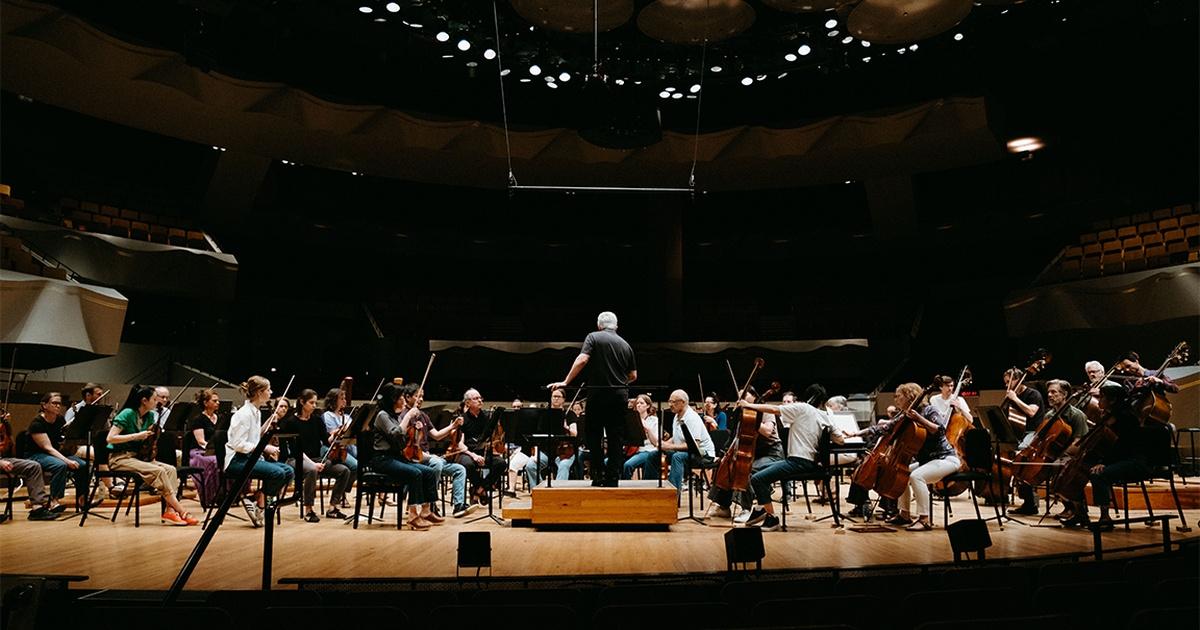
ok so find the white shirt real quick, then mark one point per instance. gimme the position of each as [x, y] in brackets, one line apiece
[806, 423]
[651, 426]
[943, 405]
[245, 429]
[696, 428]
[69, 417]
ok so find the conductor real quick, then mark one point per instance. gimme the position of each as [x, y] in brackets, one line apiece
[610, 368]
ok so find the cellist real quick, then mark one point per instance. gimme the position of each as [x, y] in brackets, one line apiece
[768, 449]
[806, 421]
[1057, 393]
[936, 459]
[1026, 409]
[1126, 461]
[1144, 379]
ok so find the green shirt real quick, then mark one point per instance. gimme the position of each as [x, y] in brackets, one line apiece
[1078, 421]
[129, 423]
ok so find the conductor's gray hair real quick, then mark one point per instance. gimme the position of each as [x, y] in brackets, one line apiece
[606, 320]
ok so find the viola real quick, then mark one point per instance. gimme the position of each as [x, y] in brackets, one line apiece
[885, 469]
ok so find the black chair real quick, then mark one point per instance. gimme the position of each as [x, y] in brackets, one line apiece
[978, 451]
[224, 482]
[1162, 456]
[372, 484]
[1092, 604]
[747, 594]
[960, 604]
[341, 617]
[822, 474]
[1019, 579]
[892, 587]
[1076, 572]
[1182, 591]
[251, 606]
[170, 442]
[657, 616]
[969, 536]
[10, 482]
[417, 605]
[628, 594]
[157, 616]
[862, 611]
[132, 492]
[1184, 617]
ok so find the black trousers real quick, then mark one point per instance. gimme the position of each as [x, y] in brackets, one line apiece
[606, 415]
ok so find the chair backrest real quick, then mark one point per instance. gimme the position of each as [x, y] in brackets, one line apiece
[824, 447]
[220, 438]
[721, 439]
[1159, 443]
[968, 536]
[977, 446]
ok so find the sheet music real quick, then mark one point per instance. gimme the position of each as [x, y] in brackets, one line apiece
[846, 423]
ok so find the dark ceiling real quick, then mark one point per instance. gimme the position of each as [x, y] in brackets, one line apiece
[1011, 53]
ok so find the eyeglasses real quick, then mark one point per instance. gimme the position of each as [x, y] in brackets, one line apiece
[676, 400]
[55, 402]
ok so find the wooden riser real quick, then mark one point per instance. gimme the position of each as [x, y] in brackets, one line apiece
[1160, 496]
[637, 502]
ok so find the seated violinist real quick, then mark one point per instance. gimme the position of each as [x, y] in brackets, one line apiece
[565, 458]
[714, 418]
[130, 429]
[310, 436]
[1125, 461]
[414, 397]
[482, 475]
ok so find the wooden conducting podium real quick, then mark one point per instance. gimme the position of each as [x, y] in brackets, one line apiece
[577, 502]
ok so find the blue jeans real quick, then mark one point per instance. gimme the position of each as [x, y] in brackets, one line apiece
[58, 472]
[760, 482]
[679, 461]
[421, 480]
[275, 476]
[458, 477]
[645, 460]
[351, 461]
[533, 469]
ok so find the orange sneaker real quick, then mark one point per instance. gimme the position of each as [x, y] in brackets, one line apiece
[190, 520]
[171, 518]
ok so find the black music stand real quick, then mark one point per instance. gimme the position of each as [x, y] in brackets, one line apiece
[1002, 433]
[548, 430]
[80, 430]
[181, 414]
[694, 454]
[504, 418]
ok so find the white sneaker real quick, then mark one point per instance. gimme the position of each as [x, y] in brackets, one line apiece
[742, 517]
[717, 511]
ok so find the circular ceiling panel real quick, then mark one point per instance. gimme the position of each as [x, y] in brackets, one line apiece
[574, 16]
[905, 21]
[694, 21]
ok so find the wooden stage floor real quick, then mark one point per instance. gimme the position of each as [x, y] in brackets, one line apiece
[123, 557]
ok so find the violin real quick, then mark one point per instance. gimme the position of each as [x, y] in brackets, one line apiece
[885, 470]
[337, 450]
[733, 473]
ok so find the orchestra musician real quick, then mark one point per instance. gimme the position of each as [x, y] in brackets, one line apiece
[677, 445]
[714, 418]
[28, 471]
[1095, 374]
[162, 404]
[414, 397]
[647, 453]
[334, 416]
[245, 431]
[806, 421]
[609, 373]
[90, 393]
[936, 459]
[1125, 462]
[1130, 363]
[474, 458]
[200, 431]
[44, 439]
[768, 450]
[945, 399]
[130, 429]
[1057, 392]
[562, 465]
[1026, 409]
[390, 434]
[310, 436]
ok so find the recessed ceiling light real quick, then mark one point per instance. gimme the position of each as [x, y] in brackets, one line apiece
[790, 57]
[847, 39]
[747, 81]
[505, 72]
[832, 33]
[464, 45]
[804, 50]
[365, 9]
[716, 68]
[677, 95]
[552, 85]
[830, 23]
[489, 54]
[664, 94]
[392, 7]
[442, 36]
[958, 37]
[913, 47]
[535, 69]
[1027, 144]
[695, 88]
[865, 43]
[564, 76]
[670, 89]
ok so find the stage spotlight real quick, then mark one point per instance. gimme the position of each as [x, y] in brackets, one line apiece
[464, 45]
[392, 7]
[744, 545]
[804, 50]
[564, 76]
[474, 552]
[747, 81]
[1027, 144]
[489, 54]
[695, 88]
[535, 69]
[619, 82]
[831, 23]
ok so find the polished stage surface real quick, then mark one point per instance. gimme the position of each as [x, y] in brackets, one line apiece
[124, 557]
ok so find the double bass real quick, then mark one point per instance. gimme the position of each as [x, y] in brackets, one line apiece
[1039, 363]
[733, 473]
[885, 470]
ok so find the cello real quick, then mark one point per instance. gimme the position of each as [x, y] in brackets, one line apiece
[1073, 479]
[956, 430]
[885, 470]
[1153, 405]
[733, 473]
